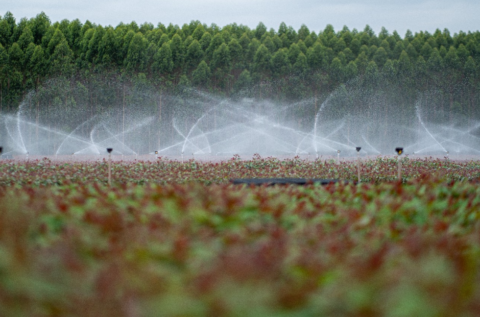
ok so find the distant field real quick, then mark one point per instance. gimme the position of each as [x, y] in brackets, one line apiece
[161, 170]
[188, 243]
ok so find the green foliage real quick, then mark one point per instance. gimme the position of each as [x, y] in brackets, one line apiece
[301, 65]
[37, 50]
[221, 57]
[215, 43]
[404, 64]
[26, 38]
[39, 27]
[38, 63]
[201, 75]
[261, 60]
[194, 54]
[176, 45]
[107, 48]
[58, 38]
[3, 57]
[337, 70]
[380, 57]
[135, 60]
[244, 81]
[92, 54]
[280, 63]
[16, 55]
[236, 53]
[61, 60]
[163, 59]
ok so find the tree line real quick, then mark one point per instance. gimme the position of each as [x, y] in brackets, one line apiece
[235, 60]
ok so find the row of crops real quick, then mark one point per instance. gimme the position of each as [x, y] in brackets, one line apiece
[177, 239]
[46, 172]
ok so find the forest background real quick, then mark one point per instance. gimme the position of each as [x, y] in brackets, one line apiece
[70, 64]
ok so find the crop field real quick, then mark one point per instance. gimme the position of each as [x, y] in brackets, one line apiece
[178, 239]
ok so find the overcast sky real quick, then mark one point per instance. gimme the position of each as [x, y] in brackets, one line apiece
[416, 15]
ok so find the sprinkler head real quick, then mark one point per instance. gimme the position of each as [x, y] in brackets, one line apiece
[109, 150]
[156, 152]
[358, 148]
[1, 149]
[399, 150]
[338, 151]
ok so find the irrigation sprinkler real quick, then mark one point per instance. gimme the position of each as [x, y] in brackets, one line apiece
[182, 157]
[316, 154]
[399, 151]
[109, 150]
[1, 150]
[447, 155]
[338, 157]
[358, 148]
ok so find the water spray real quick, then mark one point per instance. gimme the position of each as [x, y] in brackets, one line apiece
[399, 151]
[358, 148]
[447, 155]
[109, 150]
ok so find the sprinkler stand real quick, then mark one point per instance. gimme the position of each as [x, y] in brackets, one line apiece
[399, 151]
[109, 150]
[358, 162]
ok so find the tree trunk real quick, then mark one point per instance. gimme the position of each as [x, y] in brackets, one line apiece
[8, 85]
[215, 119]
[451, 108]
[159, 119]
[386, 122]
[1, 98]
[36, 127]
[123, 115]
